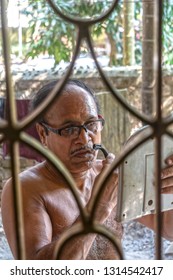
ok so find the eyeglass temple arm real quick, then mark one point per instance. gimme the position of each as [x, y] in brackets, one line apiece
[99, 147]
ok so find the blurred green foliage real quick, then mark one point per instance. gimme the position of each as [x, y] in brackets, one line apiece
[49, 34]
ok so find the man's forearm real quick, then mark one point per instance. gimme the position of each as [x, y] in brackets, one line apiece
[167, 223]
[78, 247]
[75, 249]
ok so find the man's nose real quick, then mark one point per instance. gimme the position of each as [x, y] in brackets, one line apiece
[84, 135]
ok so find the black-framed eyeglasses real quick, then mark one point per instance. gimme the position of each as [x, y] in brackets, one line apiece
[73, 131]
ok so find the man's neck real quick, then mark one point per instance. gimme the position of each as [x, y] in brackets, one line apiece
[83, 179]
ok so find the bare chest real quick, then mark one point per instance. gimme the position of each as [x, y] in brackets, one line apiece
[62, 209]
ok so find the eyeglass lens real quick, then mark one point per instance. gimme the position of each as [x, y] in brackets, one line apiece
[75, 131]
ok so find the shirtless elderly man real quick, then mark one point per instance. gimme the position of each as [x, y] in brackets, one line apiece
[69, 129]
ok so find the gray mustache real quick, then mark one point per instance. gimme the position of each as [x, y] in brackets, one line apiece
[85, 148]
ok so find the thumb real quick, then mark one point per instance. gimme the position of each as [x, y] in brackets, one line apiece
[109, 159]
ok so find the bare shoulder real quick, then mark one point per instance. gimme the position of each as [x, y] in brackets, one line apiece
[38, 187]
[33, 173]
[28, 180]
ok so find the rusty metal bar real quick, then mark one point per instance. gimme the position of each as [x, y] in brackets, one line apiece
[158, 128]
[12, 133]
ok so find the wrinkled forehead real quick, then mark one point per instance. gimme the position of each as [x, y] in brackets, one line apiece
[75, 90]
[73, 99]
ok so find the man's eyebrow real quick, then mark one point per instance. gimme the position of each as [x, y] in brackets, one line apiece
[75, 122]
[68, 123]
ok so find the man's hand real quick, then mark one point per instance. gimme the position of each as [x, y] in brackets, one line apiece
[167, 176]
[167, 216]
[108, 198]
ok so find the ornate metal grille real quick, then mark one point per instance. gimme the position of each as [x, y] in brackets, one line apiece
[13, 130]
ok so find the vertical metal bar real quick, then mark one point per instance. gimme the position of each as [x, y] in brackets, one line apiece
[158, 126]
[14, 146]
[6, 50]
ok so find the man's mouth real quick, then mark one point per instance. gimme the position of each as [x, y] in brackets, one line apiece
[83, 152]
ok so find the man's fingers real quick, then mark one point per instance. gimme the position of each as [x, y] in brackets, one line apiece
[109, 159]
[167, 172]
[167, 185]
[169, 160]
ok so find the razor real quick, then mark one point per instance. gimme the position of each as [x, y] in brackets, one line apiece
[100, 147]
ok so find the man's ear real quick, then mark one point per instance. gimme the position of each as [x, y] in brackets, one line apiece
[42, 134]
